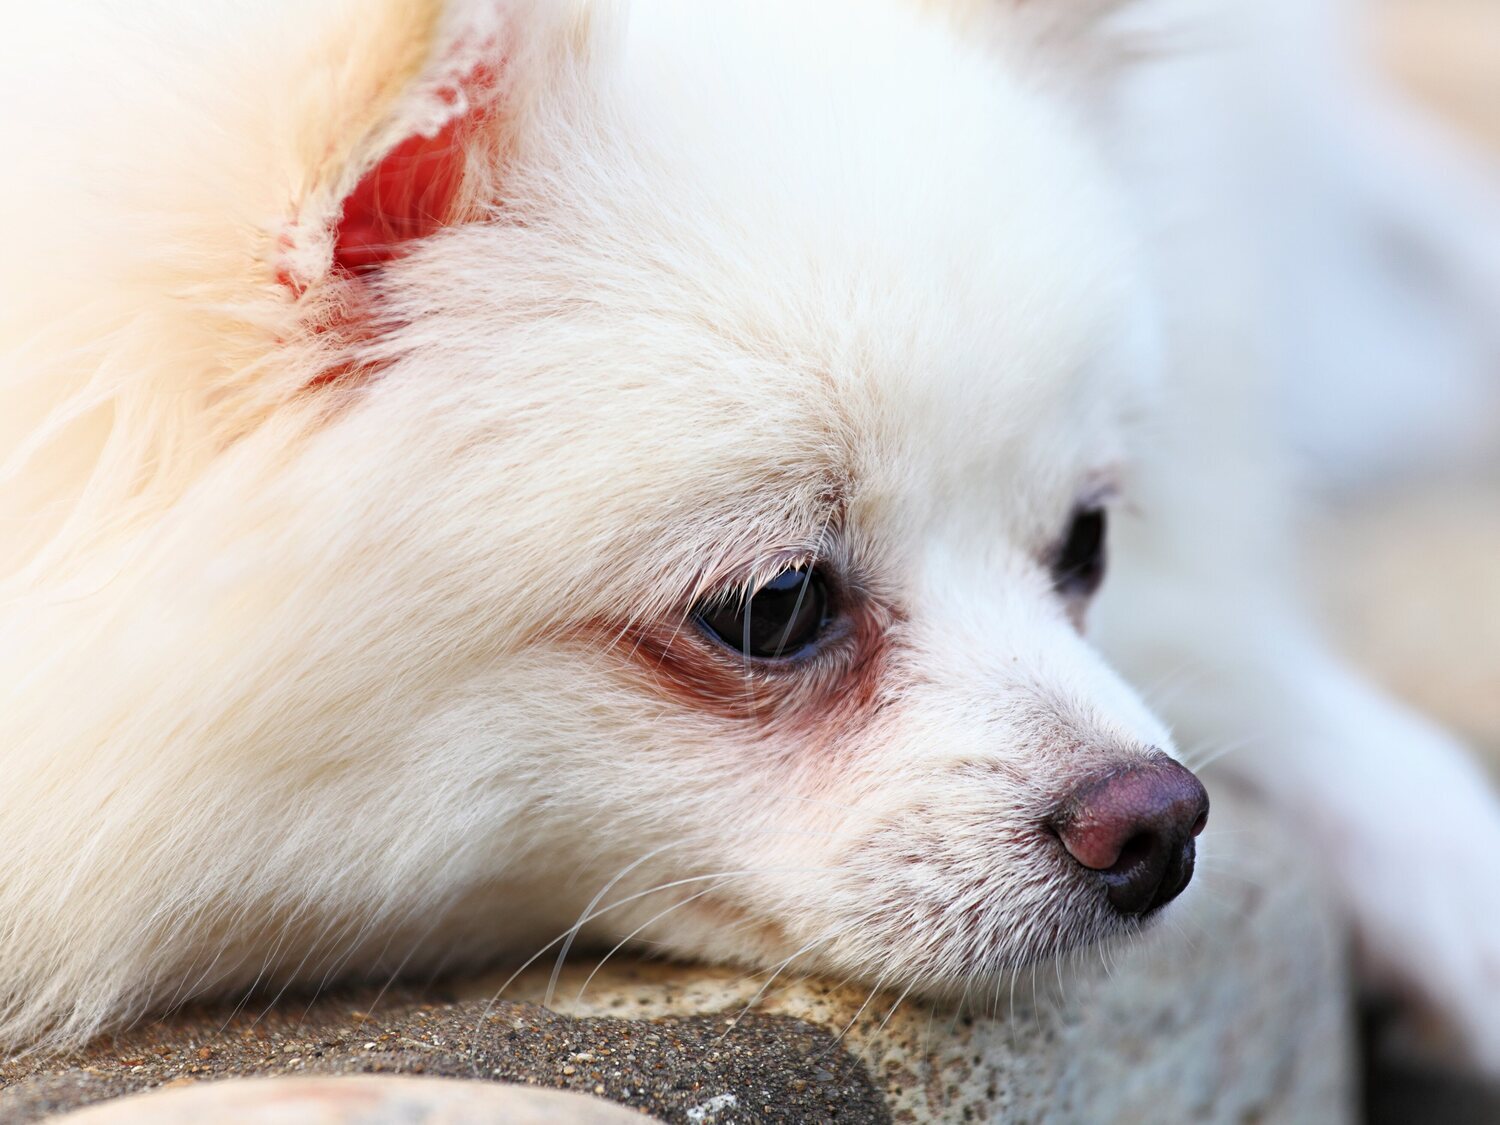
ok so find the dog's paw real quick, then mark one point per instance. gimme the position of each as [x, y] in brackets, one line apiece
[1404, 823]
[1426, 906]
[1409, 831]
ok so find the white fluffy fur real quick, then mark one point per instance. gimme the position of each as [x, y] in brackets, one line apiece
[298, 681]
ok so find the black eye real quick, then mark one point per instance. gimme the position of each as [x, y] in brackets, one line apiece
[1078, 567]
[779, 620]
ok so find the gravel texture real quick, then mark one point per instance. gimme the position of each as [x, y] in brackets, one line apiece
[775, 1068]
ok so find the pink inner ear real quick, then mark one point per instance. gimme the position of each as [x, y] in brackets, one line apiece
[413, 191]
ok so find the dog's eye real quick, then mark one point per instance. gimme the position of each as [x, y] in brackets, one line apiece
[778, 621]
[1078, 567]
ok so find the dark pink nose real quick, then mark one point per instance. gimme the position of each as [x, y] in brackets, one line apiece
[1135, 827]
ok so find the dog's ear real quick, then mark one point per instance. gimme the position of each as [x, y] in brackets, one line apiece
[260, 171]
[422, 129]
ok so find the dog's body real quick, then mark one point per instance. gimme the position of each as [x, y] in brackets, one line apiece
[394, 390]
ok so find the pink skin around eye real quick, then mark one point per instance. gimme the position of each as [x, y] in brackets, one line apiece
[676, 660]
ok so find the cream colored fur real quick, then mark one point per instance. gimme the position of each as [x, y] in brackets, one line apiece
[306, 680]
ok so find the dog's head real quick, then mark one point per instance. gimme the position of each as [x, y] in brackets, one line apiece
[709, 420]
[794, 362]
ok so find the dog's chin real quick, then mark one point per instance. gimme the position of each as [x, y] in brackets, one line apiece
[1077, 940]
[1083, 953]
[1008, 973]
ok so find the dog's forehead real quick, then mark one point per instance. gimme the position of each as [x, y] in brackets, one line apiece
[776, 278]
[917, 240]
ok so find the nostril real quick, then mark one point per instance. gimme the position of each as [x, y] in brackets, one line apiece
[1135, 827]
[1137, 849]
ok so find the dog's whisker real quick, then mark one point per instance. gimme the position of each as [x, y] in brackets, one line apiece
[624, 941]
[596, 912]
[776, 972]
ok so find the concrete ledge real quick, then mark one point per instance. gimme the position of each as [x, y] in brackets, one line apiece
[1235, 1011]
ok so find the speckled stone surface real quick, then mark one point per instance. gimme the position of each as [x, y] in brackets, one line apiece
[775, 1068]
[1235, 1010]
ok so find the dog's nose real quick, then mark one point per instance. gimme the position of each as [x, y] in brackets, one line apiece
[1135, 827]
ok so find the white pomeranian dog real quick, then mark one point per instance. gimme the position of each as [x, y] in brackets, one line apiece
[469, 465]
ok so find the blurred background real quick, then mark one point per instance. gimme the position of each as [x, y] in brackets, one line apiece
[1410, 562]
[1446, 53]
